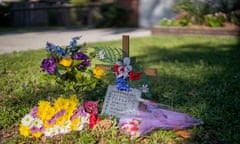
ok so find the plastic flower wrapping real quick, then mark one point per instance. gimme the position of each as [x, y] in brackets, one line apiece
[150, 117]
[69, 65]
[60, 117]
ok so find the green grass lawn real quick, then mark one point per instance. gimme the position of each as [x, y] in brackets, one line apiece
[199, 76]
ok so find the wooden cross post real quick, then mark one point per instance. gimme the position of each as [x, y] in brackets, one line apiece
[125, 47]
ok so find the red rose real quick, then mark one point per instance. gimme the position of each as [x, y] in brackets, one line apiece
[115, 67]
[93, 120]
[134, 76]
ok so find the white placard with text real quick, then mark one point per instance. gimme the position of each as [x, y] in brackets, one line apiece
[118, 103]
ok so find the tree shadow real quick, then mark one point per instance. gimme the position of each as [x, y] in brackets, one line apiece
[211, 90]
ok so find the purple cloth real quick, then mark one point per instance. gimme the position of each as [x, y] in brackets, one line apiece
[156, 118]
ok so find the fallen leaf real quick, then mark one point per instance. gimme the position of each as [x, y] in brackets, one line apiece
[183, 134]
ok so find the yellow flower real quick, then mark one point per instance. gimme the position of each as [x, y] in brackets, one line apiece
[74, 98]
[75, 123]
[45, 110]
[37, 134]
[47, 125]
[25, 131]
[98, 71]
[66, 62]
[58, 104]
[60, 121]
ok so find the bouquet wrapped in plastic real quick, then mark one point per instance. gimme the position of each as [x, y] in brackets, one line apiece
[150, 117]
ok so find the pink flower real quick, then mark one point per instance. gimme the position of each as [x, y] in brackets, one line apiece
[91, 107]
[34, 111]
[131, 127]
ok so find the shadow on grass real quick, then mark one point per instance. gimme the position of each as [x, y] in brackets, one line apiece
[203, 80]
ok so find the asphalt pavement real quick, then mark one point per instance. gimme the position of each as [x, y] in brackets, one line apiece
[21, 41]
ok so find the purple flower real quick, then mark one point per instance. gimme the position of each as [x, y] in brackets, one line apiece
[57, 115]
[78, 112]
[60, 113]
[84, 57]
[80, 56]
[35, 129]
[34, 111]
[49, 65]
[84, 64]
[52, 121]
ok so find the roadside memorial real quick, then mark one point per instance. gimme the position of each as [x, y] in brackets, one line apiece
[139, 116]
[71, 67]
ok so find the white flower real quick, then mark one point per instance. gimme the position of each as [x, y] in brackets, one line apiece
[79, 126]
[60, 129]
[49, 132]
[101, 55]
[145, 88]
[85, 119]
[27, 120]
[120, 68]
[128, 68]
[126, 61]
[37, 123]
[67, 124]
[123, 74]
[66, 130]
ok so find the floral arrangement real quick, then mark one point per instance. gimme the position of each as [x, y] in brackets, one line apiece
[131, 127]
[60, 117]
[69, 65]
[124, 71]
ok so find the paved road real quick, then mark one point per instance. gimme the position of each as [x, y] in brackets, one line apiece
[10, 42]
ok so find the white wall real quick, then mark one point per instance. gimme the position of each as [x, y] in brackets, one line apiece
[152, 11]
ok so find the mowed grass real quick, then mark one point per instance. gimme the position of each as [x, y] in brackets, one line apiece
[197, 75]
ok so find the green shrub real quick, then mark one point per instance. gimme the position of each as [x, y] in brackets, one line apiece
[235, 17]
[78, 2]
[196, 10]
[183, 18]
[216, 20]
[113, 15]
[169, 22]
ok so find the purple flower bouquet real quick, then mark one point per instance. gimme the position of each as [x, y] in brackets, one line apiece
[151, 117]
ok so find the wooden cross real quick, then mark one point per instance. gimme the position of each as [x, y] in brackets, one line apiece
[125, 47]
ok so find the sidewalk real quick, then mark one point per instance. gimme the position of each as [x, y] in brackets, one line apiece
[10, 42]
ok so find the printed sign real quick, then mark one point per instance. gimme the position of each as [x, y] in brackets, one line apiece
[118, 103]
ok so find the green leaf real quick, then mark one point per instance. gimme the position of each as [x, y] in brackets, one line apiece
[111, 55]
[77, 62]
[61, 69]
